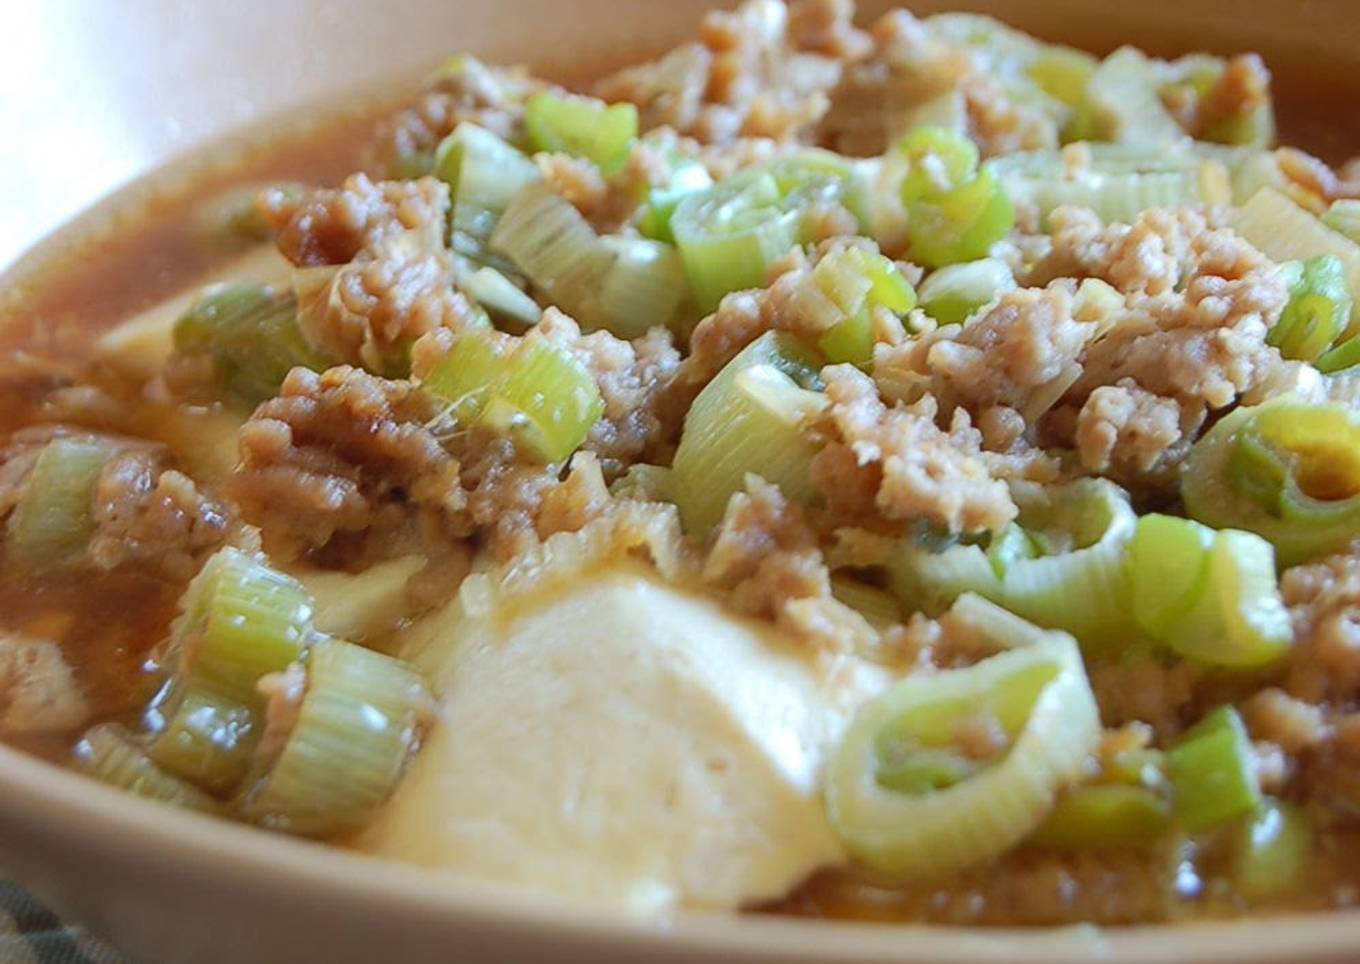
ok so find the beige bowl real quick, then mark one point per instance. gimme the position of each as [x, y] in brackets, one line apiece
[123, 86]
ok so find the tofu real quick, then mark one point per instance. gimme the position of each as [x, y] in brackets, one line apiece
[623, 742]
[361, 606]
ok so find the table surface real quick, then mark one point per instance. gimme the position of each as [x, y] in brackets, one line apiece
[31, 934]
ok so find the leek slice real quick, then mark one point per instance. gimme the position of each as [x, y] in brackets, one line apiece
[729, 235]
[1038, 692]
[547, 401]
[252, 336]
[1213, 772]
[239, 620]
[955, 212]
[467, 376]
[1343, 217]
[53, 519]
[748, 421]
[494, 291]
[109, 754]
[1169, 567]
[1080, 584]
[879, 607]
[686, 177]
[1286, 470]
[358, 722]
[583, 126]
[643, 289]
[1286, 232]
[484, 174]
[1318, 311]
[1109, 816]
[847, 284]
[207, 740]
[1273, 852]
[954, 293]
[1123, 103]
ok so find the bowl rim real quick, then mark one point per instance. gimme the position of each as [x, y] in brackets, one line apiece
[120, 826]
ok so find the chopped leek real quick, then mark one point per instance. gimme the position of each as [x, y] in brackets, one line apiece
[1208, 595]
[208, 740]
[547, 401]
[358, 721]
[467, 376]
[1213, 772]
[644, 287]
[493, 290]
[1343, 217]
[251, 334]
[1286, 470]
[955, 292]
[1064, 73]
[730, 234]
[109, 754]
[879, 607]
[1318, 311]
[955, 212]
[1273, 852]
[847, 284]
[484, 174]
[53, 519]
[1109, 816]
[1069, 572]
[950, 811]
[240, 620]
[583, 126]
[1123, 103]
[686, 177]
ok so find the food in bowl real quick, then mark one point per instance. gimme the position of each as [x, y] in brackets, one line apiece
[906, 473]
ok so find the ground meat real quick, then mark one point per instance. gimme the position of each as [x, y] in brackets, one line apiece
[915, 469]
[332, 225]
[1324, 605]
[1291, 724]
[1159, 693]
[155, 518]
[764, 70]
[1127, 433]
[491, 97]
[766, 558]
[38, 693]
[1239, 92]
[1008, 356]
[342, 453]
[1000, 124]
[577, 501]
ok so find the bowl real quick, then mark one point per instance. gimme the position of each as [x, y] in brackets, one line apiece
[107, 100]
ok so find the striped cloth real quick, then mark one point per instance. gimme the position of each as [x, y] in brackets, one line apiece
[32, 934]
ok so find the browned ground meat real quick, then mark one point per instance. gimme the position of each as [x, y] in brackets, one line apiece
[1324, 603]
[914, 469]
[1129, 434]
[1241, 89]
[492, 97]
[38, 693]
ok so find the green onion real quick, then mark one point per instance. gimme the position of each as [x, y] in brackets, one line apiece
[1286, 232]
[1213, 772]
[951, 812]
[686, 177]
[954, 293]
[207, 740]
[109, 754]
[1287, 470]
[547, 401]
[252, 336]
[53, 519]
[1318, 311]
[484, 174]
[1343, 217]
[954, 211]
[358, 722]
[239, 620]
[1273, 852]
[589, 128]
[730, 234]
[1107, 816]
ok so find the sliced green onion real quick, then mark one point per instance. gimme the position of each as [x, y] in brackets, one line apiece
[1343, 217]
[686, 177]
[954, 293]
[547, 401]
[1107, 816]
[240, 620]
[252, 336]
[53, 519]
[954, 211]
[207, 740]
[109, 754]
[589, 128]
[1273, 852]
[1213, 772]
[1286, 232]
[484, 174]
[1286, 470]
[358, 722]
[730, 234]
[951, 812]
[1318, 311]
